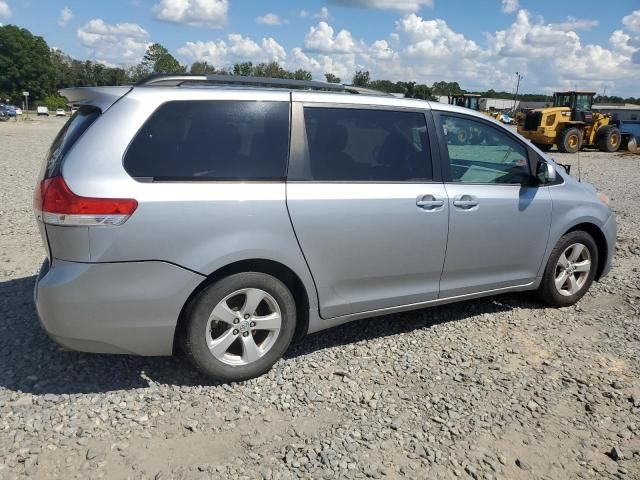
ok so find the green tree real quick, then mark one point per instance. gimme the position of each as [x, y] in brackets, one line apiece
[421, 91]
[157, 59]
[270, 70]
[331, 78]
[136, 72]
[360, 79]
[301, 74]
[25, 64]
[203, 68]
[446, 88]
[387, 86]
[244, 69]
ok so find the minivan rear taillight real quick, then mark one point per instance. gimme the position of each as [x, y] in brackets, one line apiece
[56, 204]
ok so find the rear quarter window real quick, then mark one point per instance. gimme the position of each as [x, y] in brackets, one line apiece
[67, 137]
[212, 140]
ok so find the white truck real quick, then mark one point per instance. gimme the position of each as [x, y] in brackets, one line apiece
[43, 111]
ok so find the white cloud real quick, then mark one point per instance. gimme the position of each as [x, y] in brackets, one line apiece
[237, 48]
[576, 24]
[273, 50]
[381, 50]
[433, 39]
[510, 6]
[65, 15]
[342, 65]
[5, 11]
[214, 52]
[119, 43]
[407, 6]
[303, 13]
[321, 39]
[323, 14]
[271, 19]
[243, 47]
[425, 49]
[197, 13]
[621, 42]
[553, 56]
[632, 22]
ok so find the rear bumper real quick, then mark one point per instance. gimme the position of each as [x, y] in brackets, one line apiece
[128, 307]
[610, 230]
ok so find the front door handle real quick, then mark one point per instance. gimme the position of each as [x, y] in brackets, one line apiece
[429, 202]
[465, 202]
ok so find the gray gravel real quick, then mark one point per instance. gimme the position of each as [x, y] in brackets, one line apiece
[493, 388]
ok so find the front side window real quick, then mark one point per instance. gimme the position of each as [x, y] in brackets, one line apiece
[480, 153]
[562, 100]
[212, 140]
[366, 145]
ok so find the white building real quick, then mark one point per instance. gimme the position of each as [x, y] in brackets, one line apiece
[497, 104]
[487, 104]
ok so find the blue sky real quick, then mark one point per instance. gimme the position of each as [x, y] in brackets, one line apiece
[479, 43]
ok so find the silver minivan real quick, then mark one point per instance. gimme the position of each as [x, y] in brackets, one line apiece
[224, 215]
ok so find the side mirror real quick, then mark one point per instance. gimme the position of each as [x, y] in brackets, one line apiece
[546, 173]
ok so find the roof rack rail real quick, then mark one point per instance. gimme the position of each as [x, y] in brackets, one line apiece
[171, 80]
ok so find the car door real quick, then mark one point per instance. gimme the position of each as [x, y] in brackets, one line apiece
[499, 218]
[370, 220]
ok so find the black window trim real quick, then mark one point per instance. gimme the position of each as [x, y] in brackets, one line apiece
[217, 180]
[446, 161]
[58, 165]
[299, 148]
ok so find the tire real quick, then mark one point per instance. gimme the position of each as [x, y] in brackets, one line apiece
[545, 147]
[569, 140]
[564, 295]
[235, 362]
[609, 138]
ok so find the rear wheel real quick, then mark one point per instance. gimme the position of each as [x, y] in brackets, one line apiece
[569, 140]
[545, 147]
[238, 327]
[570, 270]
[609, 138]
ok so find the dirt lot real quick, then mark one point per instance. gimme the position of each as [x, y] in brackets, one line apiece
[493, 388]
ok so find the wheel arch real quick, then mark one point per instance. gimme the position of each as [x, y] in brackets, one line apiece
[261, 265]
[601, 242]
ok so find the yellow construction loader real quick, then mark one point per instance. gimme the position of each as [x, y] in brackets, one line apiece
[466, 100]
[570, 125]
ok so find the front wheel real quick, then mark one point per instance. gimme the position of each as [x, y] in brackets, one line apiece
[570, 269]
[609, 138]
[238, 327]
[569, 140]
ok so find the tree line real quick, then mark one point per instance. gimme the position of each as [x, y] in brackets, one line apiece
[28, 64]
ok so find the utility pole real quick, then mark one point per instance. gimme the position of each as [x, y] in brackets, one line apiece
[515, 102]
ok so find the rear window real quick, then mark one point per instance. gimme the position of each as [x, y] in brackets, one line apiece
[212, 140]
[67, 137]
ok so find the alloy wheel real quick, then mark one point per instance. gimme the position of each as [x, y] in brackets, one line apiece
[572, 269]
[243, 326]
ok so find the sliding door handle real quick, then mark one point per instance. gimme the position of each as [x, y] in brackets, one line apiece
[465, 202]
[429, 202]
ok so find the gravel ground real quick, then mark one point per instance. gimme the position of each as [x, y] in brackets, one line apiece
[493, 388]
